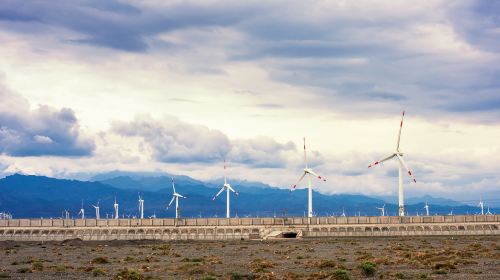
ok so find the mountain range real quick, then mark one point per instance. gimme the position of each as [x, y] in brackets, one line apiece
[27, 196]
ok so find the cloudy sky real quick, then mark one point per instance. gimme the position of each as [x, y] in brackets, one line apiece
[177, 86]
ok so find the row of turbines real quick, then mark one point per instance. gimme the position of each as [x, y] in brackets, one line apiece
[307, 172]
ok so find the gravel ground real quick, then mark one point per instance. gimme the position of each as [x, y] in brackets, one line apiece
[329, 258]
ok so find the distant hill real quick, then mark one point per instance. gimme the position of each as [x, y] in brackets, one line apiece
[38, 196]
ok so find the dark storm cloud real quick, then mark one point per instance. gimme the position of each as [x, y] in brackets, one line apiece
[12, 15]
[172, 140]
[479, 23]
[39, 132]
[120, 26]
[370, 55]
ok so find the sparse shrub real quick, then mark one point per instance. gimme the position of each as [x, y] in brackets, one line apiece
[37, 265]
[24, 270]
[192, 260]
[239, 276]
[129, 259]
[100, 260]
[446, 265]
[341, 274]
[129, 274]
[4, 275]
[98, 272]
[400, 275]
[326, 264]
[14, 263]
[259, 265]
[208, 278]
[60, 268]
[368, 268]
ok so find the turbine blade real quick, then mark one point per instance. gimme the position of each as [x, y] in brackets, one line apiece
[230, 188]
[377, 162]
[172, 200]
[407, 169]
[221, 190]
[399, 134]
[298, 181]
[173, 185]
[181, 196]
[319, 177]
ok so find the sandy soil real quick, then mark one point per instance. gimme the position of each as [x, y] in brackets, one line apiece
[332, 258]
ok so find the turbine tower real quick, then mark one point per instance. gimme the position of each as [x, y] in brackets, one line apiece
[382, 210]
[399, 155]
[176, 197]
[141, 206]
[228, 188]
[426, 207]
[82, 212]
[307, 171]
[116, 209]
[97, 215]
[481, 204]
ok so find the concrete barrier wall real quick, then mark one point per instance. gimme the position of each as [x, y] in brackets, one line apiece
[245, 231]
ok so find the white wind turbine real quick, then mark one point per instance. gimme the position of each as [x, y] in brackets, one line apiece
[82, 212]
[481, 204]
[115, 205]
[97, 215]
[175, 196]
[399, 155]
[382, 210]
[228, 188]
[426, 207]
[66, 214]
[141, 206]
[307, 171]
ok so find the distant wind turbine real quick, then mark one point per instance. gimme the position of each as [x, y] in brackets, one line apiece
[481, 204]
[426, 207]
[228, 188]
[307, 171]
[399, 155]
[141, 207]
[82, 212]
[115, 205]
[382, 210]
[175, 196]
[97, 215]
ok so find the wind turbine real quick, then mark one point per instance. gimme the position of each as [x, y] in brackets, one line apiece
[488, 213]
[399, 155]
[97, 215]
[426, 207]
[228, 188]
[116, 209]
[481, 204]
[382, 210]
[141, 206]
[175, 196]
[82, 212]
[307, 171]
[66, 214]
